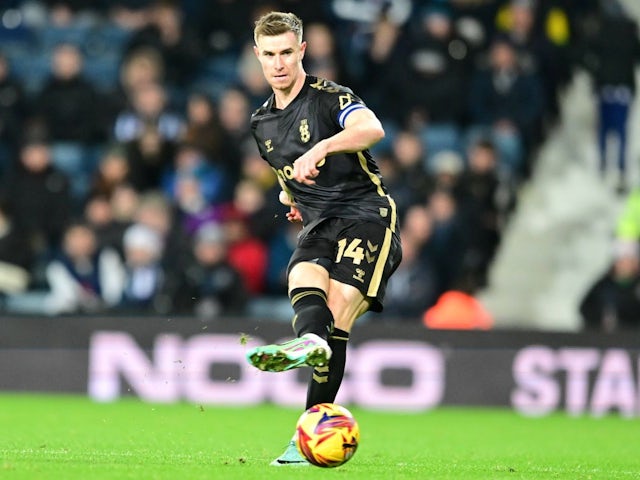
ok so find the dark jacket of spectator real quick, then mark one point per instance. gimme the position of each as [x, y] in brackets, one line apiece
[177, 43]
[39, 196]
[504, 93]
[208, 286]
[12, 106]
[429, 76]
[613, 301]
[68, 107]
[612, 50]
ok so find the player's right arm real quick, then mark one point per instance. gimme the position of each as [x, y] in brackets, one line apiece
[361, 129]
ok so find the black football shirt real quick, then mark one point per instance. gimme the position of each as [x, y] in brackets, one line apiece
[349, 185]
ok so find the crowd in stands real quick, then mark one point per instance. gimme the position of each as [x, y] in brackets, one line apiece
[130, 183]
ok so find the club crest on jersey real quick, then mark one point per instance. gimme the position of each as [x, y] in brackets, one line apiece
[268, 144]
[305, 135]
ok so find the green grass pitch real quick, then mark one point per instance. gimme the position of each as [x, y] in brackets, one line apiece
[66, 437]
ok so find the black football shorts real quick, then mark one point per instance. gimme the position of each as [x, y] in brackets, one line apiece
[361, 254]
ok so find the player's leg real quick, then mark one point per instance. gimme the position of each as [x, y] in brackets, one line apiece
[312, 323]
[308, 288]
[346, 303]
[370, 254]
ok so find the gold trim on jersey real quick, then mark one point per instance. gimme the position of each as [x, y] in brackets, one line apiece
[376, 278]
[283, 185]
[376, 181]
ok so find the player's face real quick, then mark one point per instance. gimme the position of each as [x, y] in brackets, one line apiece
[281, 59]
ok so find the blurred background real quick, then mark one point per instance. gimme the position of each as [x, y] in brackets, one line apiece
[130, 184]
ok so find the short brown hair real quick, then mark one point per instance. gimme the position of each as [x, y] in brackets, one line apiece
[277, 23]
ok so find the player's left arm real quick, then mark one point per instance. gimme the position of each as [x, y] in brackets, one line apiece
[362, 129]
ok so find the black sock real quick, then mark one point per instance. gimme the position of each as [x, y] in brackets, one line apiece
[312, 315]
[325, 381]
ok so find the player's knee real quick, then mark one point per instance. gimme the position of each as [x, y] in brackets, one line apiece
[346, 313]
[308, 274]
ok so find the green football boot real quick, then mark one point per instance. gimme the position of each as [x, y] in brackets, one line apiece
[309, 350]
[290, 457]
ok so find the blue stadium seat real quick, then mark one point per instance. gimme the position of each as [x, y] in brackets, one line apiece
[74, 160]
[440, 137]
[17, 39]
[52, 36]
[32, 70]
[106, 40]
[102, 71]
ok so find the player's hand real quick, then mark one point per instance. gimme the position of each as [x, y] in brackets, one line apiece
[294, 215]
[305, 168]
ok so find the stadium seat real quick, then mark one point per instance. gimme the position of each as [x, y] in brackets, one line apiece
[32, 70]
[52, 36]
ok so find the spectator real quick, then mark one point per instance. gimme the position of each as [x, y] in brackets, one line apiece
[13, 109]
[247, 253]
[99, 215]
[367, 28]
[150, 131]
[139, 68]
[484, 203]
[177, 43]
[446, 167]
[202, 127]
[628, 224]
[413, 287]
[149, 111]
[612, 303]
[82, 278]
[113, 171]
[611, 54]
[376, 62]
[190, 161]
[154, 210]
[254, 168]
[191, 206]
[263, 217]
[142, 66]
[408, 182]
[16, 257]
[430, 76]
[541, 33]
[505, 104]
[280, 247]
[223, 26]
[250, 82]
[209, 287]
[322, 59]
[39, 195]
[125, 201]
[149, 156]
[448, 243]
[67, 102]
[418, 229]
[144, 277]
[233, 110]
